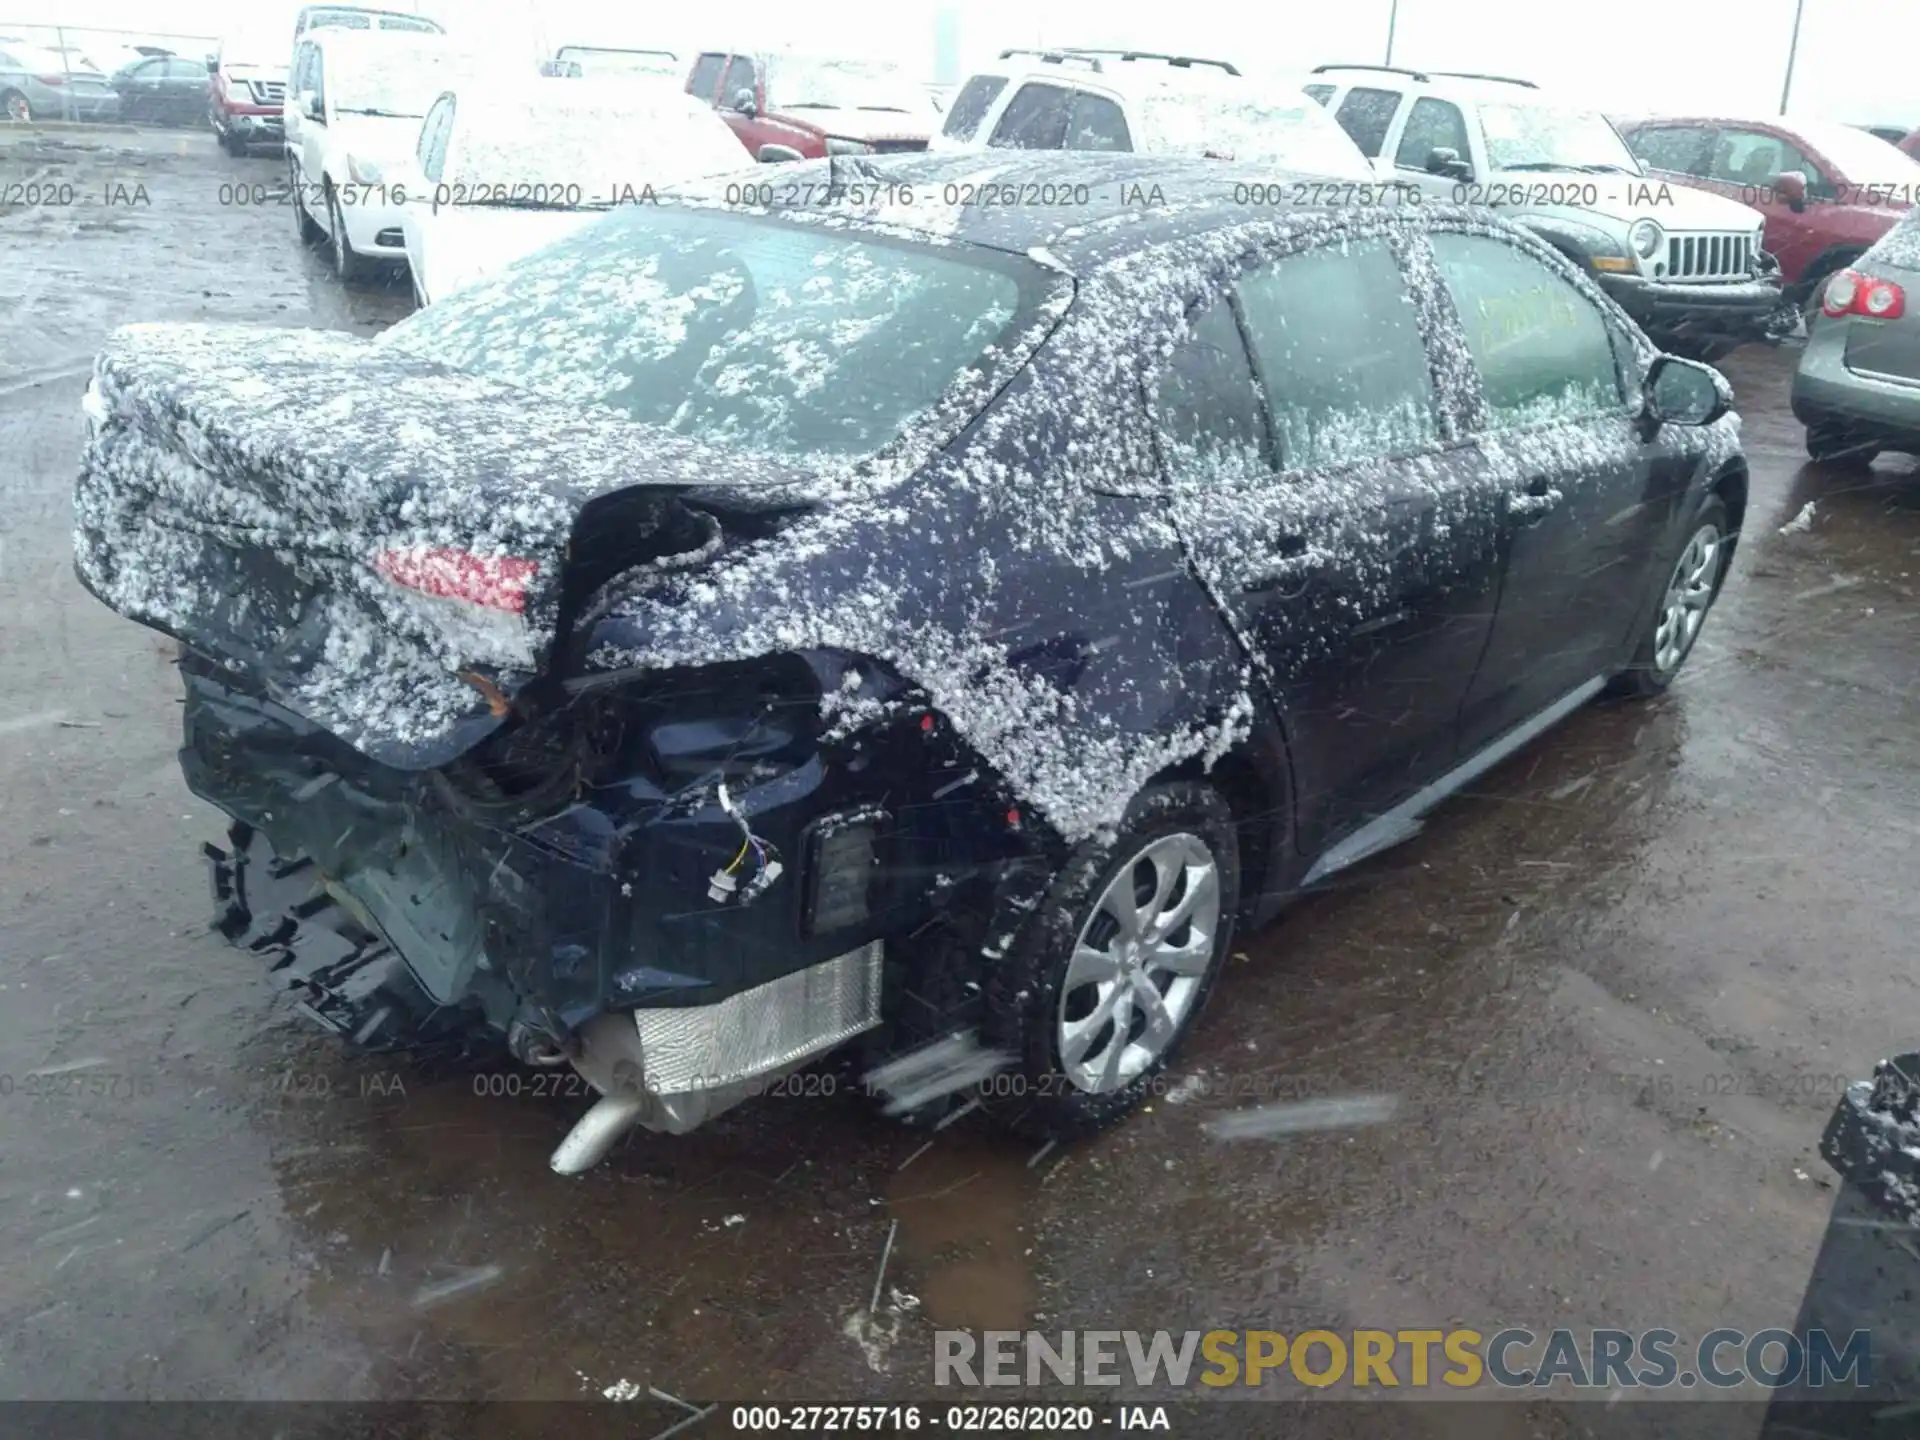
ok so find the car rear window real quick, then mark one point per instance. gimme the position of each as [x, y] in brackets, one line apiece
[970, 106]
[1899, 247]
[748, 330]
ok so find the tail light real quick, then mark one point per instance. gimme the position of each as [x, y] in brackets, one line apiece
[498, 582]
[1852, 293]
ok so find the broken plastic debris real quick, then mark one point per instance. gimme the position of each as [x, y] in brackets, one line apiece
[1305, 1115]
[935, 1070]
[1801, 523]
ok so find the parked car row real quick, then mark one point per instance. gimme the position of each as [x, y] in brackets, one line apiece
[37, 83]
[1710, 233]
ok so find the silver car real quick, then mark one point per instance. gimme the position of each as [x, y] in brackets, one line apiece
[1858, 386]
[37, 84]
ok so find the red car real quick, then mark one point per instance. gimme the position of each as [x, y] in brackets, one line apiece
[789, 107]
[1829, 191]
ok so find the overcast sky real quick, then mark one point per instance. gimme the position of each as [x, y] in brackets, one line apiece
[1859, 59]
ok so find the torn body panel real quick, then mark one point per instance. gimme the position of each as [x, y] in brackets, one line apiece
[531, 891]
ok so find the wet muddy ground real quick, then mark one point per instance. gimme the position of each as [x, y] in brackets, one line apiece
[1616, 991]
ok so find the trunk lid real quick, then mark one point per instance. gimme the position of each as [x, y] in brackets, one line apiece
[352, 530]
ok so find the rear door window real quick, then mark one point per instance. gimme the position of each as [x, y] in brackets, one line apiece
[1207, 412]
[1097, 124]
[1367, 115]
[738, 77]
[1035, 119]
[970, 106]
[1544, 351]
[705, 81]
[1340, 356]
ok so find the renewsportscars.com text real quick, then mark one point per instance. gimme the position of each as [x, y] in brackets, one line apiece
[1461, 1359]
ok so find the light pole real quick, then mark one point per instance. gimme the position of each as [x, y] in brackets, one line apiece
[1793, 49]
[1393, 21]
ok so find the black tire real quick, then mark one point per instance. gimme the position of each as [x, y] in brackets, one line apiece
[1037, 1098]
[14, 107]
[1831, 443]
[310, 233]
[1651, 672]
[233, 144]
[347, 264]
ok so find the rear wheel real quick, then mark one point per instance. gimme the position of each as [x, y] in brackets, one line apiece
[1106, 980]
[347, 264]
[1832, 443]
[15, 107]
[303, 222]
[1687, 593]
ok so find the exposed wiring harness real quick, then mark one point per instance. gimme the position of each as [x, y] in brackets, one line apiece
[725, 887]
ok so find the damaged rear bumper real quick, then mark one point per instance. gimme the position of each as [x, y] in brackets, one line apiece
[585, 934]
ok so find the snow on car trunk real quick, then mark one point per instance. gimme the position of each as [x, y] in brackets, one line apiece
[350, 528]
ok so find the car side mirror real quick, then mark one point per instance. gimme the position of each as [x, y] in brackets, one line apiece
[1791, 186]
[1445, 161]
[743, 102]
[1685, 392]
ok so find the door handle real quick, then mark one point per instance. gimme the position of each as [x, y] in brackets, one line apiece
[1537, 499]
[1286, 562]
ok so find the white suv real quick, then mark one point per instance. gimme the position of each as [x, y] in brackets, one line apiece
[1153, 104]
[353, 117]
[1687, 265]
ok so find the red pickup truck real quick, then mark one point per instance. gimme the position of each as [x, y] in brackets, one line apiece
[1829, 191]
[789, 107]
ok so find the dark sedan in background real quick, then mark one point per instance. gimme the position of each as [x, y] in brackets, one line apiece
[163, 90]
[727, 633]
[39, 84]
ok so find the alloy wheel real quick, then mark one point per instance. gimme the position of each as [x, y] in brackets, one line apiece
[1139, 963]
[1689, 594]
